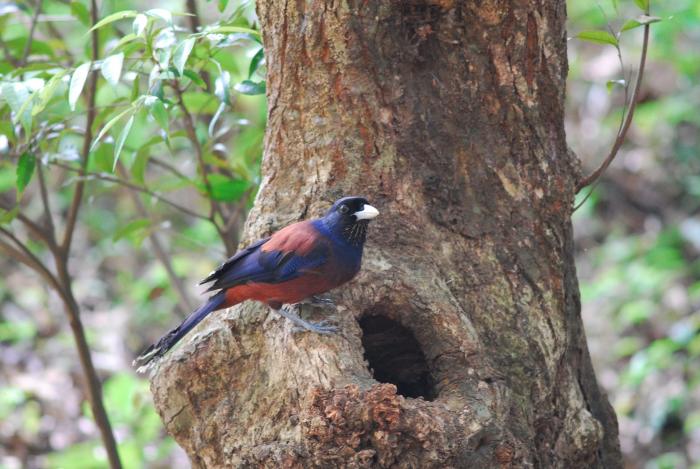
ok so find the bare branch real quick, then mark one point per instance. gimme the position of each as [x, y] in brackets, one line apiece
[193, 15]
[33, 227]
[85, 175]
[192, 135]
[8, 54]
[168, 167]
[50, 229]
[593, 177]
[30, 38]
[93, 385]
[22, 254]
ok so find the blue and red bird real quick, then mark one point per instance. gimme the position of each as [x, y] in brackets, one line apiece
[298, 262]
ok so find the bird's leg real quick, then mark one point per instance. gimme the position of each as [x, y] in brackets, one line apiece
[323, 327]
[320, 301]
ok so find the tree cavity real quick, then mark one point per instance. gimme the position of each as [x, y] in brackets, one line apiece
[395, 357]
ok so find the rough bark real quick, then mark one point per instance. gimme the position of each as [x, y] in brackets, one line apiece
[448, 116]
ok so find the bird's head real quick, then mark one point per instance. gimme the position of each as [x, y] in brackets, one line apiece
[349, 218]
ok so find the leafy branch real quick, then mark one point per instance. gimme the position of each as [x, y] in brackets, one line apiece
[608, 38]
[41, 133]
[61, 280]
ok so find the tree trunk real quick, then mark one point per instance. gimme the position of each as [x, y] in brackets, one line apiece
[461, 342]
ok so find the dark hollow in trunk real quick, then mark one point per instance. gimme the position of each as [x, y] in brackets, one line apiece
[394, 356]
[448, 116]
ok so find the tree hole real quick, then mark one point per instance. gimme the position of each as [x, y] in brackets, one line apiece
[394, 356]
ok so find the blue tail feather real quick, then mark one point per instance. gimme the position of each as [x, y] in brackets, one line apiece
[169, 340]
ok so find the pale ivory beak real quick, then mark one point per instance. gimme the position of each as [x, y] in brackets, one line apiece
[367, 213]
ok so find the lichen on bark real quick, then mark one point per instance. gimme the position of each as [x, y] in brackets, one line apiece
[448, 116]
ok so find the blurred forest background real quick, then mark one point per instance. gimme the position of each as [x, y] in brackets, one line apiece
[174, 153]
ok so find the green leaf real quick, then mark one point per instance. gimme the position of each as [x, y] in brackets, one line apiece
[192, 75]
[165, 15]
[214, 119]
[109, 125]
[225, 189]
[139, 24]
[46, 93]
[255, 35]
[120, 15]
[643, 4]
[135, 88]
[250, 87]
[222, 5]
[6, 216]
[101, 159]
[127, 40]
[200, 103]
[613, 83]
[138, 167]
[81, 12]
[25, 170]
[77, 82]
[18, 96]
[160, 114]
[221, 86]
[112, 68]
[598, 37]
[120, 141]
[255, 62]
[131, 228]
[182, 52]
[641, 20]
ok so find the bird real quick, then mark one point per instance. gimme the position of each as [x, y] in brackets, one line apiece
[297, 263]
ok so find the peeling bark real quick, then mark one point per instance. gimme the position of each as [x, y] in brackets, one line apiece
[448, 116]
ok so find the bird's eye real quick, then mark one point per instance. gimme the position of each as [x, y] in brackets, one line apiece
[344, 209]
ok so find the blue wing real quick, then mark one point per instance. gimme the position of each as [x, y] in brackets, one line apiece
[256, 265]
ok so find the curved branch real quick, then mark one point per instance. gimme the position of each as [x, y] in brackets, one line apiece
[30, 37]
[593, 177]
[22, 254]
[105, 177]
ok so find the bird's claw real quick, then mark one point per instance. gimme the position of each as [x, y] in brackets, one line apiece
[322, 327]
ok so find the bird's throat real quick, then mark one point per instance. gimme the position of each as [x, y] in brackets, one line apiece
[355, 233]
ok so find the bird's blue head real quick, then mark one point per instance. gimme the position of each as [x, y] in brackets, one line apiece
[348, 219]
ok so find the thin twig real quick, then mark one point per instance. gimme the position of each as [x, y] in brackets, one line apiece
[105, 177]
[53, 30]
[22, 254]
[48, 217]
[8, 54]
[195, 25]
[168, 167]
[194, 15]
[192, 135]
[30, 38]
[35, 229]
[94, 387]
[593, 177]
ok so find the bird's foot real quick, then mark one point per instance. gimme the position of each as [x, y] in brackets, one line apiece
[322, 327]
[319, 302]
